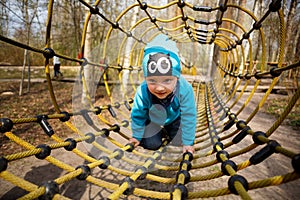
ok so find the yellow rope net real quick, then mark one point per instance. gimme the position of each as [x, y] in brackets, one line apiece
[227, 163]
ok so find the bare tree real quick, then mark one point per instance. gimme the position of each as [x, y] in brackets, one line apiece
[127, 52]
[28, 23]
[173, 12]
[297, 49]
[4, 17]
[257, 7]
[290, 31]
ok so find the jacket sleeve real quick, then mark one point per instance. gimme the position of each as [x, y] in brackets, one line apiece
[139, 112]
[188, 113]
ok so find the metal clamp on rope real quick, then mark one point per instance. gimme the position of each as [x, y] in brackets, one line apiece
[65, 118]
[144, 172]
[227, 110]
[296, 163]
[215, 138]
[86, 171]
[130, 187]
[42, 120]
[127, 105]
[201, 30]
[51, 188]
[220, 144]
[72, 144]
[143, 5]
[84, 62]
[125, 123]
[247, 75]
[219, 109]
[222, 7]
[189, 154]
[224, 153]
[246, 36]
[255, 137]
[228, 162]
[105, 132]
[115, 25]
[202, 8]
[48, 53]
[87, 118]
[257, 75]
[120, 67]
[275, 73]
[152, 164]
[117, 105]
[257, 25]
[185, 174]
[91, 139]
[46, 151]
[120, 153]
[97, 110]
[265, 152]
[224, 115]
[106, 162]
[232, 116]
[187, 163]
[239, 179]
[157, 155]
[129, 34]
[94, 10]
[241, 135]
[130, 100]
[116, 128]
[216, 103]
[111, 111]
[275, 5]
[153, 19]
[6, 125]
[183, 191]
[241, 124]
[3, 164]
[131, 147]
[199, 21]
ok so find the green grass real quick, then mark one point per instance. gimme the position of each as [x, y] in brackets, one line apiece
[277, 106]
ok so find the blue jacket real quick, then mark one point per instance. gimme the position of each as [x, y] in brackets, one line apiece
[183, 105]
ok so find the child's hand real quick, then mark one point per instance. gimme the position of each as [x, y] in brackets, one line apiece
[188, 149]
[134, 141]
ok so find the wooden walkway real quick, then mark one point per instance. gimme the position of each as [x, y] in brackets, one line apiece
[264, 88]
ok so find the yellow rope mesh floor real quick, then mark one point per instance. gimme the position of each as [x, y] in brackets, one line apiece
[231, 153]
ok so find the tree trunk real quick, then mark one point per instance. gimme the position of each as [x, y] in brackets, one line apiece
[243, 22]
[289, 33]
[297, 49]
[27, 28]
[128, 47]
[23, 72]
[257, 7]
[171, 13]
[88, 69]
[4, 18]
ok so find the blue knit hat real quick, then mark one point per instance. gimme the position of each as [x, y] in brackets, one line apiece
[161, 58]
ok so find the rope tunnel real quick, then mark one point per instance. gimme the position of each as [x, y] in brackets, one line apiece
[217, 59]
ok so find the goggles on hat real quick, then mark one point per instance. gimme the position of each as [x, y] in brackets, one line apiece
[159, 65]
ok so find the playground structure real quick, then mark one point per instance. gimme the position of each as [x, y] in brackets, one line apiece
[101, 131]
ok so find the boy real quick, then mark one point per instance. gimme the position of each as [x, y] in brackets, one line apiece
[164, 103]
[57, 72]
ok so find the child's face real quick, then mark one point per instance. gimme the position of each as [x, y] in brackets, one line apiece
[161, 86]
